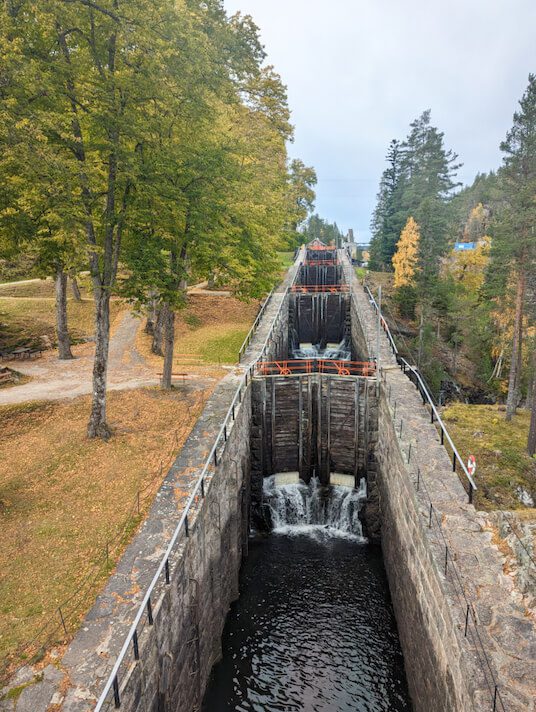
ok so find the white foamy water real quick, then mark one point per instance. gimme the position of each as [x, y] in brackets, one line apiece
[298, 509]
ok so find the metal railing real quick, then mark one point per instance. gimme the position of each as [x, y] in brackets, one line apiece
[320, 288]
[415, 377]
[251, 332]
[337, 367]
[111, 694]
[468, 619]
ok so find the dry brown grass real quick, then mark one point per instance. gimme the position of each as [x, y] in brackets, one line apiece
[64, 497]
[25, 320]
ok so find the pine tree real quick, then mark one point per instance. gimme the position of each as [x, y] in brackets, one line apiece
[419, 181]
[514, 244]
[384, 225]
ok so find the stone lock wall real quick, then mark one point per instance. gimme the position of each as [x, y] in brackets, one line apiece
[177, 653]
[435, 664]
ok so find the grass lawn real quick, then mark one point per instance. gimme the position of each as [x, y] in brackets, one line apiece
[503, 464]
[209, 332]
[286, 259]
[63, 498]
[24, 320]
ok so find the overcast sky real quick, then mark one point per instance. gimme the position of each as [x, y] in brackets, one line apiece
[359, 71]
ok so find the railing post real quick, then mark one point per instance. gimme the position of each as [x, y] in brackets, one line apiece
[166, 567]
[454, 462]
[117, 699]
[430, 518]
[135, 645]
[150, 611]
[186, 529]
[495, 698]
[470, 493]
[466, 621]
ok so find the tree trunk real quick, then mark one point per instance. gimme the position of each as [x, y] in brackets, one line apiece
[64, 340]
[98, 427]
[169, 341]
[158, 327]
[531, 447]
[515, 375]
[76, 289]
[531, 444]
[421, 337]
[151, 317]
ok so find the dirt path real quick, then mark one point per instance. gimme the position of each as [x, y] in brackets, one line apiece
[53, 379]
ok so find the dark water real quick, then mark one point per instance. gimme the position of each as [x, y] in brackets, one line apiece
[313, 630]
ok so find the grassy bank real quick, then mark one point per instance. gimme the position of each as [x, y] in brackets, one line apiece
[65, 500]
[503, 465]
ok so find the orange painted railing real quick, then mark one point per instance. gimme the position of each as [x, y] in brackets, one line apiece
[313, 288]
[317, 263]
[305, 366]
[321, 248]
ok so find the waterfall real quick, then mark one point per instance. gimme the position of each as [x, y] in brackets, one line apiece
[339, 352]
[311, 509]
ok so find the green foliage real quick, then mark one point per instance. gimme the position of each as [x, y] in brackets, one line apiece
[316, 228]
[418, 182]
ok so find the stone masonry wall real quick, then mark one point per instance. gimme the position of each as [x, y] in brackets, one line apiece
[430, 586]
[179, 650]
[177, 653]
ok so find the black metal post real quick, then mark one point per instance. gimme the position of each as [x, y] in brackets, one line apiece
[166, 567]
[446, 559]
[430, 520]
[470, 493]
[186, 529]
[466, 621]
[495, 698]
[135, 645]
[150, 612]
[117, 699]
[202, 487]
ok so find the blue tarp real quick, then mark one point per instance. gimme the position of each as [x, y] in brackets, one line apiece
[464, 246]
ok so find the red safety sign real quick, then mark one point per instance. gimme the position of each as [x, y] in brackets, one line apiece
[471, 465]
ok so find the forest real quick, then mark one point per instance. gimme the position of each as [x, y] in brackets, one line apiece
[462, 262]
[144, 143]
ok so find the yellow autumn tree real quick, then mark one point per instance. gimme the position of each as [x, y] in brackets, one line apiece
[468, 267]
[406, 257]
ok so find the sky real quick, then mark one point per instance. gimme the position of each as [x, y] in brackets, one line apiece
[359, 71]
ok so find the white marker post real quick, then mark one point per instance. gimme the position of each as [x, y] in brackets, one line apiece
[471, 465]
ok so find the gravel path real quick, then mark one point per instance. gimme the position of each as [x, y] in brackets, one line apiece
[53, 379]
